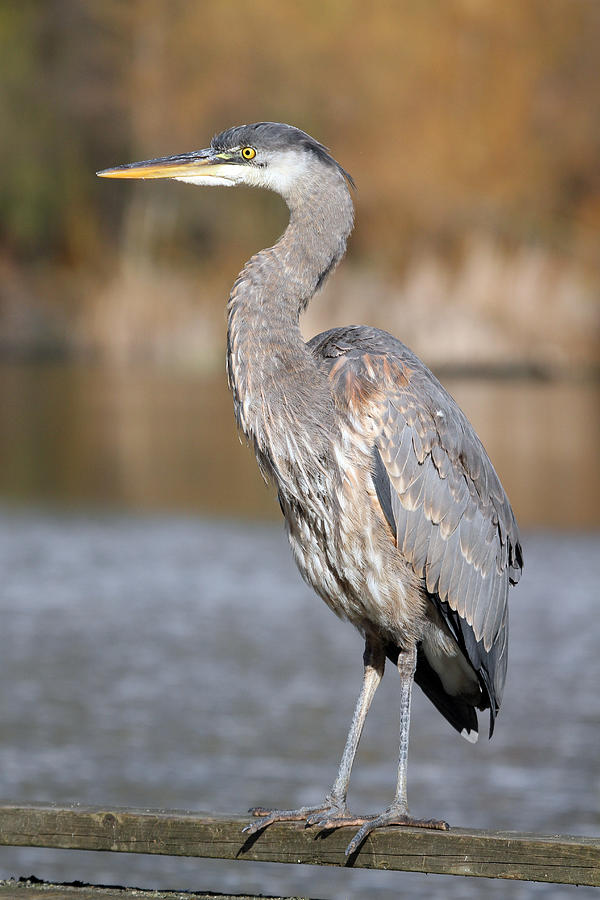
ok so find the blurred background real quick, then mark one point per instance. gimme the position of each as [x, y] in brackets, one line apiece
[472, 130]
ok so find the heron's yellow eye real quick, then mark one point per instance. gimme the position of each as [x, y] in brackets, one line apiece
[248, 152]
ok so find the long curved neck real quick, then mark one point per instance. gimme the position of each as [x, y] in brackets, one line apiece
[277, 386]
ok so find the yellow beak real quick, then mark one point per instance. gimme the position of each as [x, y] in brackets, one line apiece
[201, 167]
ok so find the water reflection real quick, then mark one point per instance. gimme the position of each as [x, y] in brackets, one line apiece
[148, 439]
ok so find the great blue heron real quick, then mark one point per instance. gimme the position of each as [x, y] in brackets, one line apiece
[394, 512]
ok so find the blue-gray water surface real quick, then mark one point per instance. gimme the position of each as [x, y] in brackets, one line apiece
[181, 662]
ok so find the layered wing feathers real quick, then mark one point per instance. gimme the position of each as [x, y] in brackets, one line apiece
[438, 490]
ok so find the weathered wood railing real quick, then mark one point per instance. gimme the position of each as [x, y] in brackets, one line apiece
[563, 859]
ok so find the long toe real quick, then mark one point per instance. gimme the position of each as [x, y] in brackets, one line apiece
[392, 816]
[266, 817]
[328, 819]
[312, 815]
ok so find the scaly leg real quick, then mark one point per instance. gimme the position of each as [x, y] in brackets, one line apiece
[334, 812]
[397, 813]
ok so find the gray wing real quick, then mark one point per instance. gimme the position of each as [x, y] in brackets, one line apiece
[439, 493]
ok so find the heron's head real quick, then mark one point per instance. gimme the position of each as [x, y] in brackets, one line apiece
[265, 154]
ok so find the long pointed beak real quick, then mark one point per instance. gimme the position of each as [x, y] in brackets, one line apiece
[200, 167]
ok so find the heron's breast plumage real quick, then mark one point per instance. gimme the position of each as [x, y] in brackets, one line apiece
[340, 540]
[316, 447]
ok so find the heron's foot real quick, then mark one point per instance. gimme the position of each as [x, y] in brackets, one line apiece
[393, 815]
[330, 814]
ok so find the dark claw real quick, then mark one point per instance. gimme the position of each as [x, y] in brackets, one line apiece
[253, 827]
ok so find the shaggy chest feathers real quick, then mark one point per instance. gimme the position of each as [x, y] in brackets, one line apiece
[320, 461]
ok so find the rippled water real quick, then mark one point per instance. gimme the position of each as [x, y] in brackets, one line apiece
[181, 662]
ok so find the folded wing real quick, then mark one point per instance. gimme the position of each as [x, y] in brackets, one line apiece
[441, 497]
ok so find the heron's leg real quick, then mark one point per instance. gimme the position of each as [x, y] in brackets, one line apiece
[334, 811]
[397, 813]
[374, 661]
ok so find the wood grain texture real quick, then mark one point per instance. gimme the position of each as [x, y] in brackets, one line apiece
[563, 859]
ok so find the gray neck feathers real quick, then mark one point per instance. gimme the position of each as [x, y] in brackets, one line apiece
[278, 390]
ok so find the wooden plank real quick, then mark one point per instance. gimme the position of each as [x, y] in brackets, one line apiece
[562, 859]
[34, 889]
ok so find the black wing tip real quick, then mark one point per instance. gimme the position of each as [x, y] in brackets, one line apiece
[488, 665]
[515, 561]
[461, 714]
